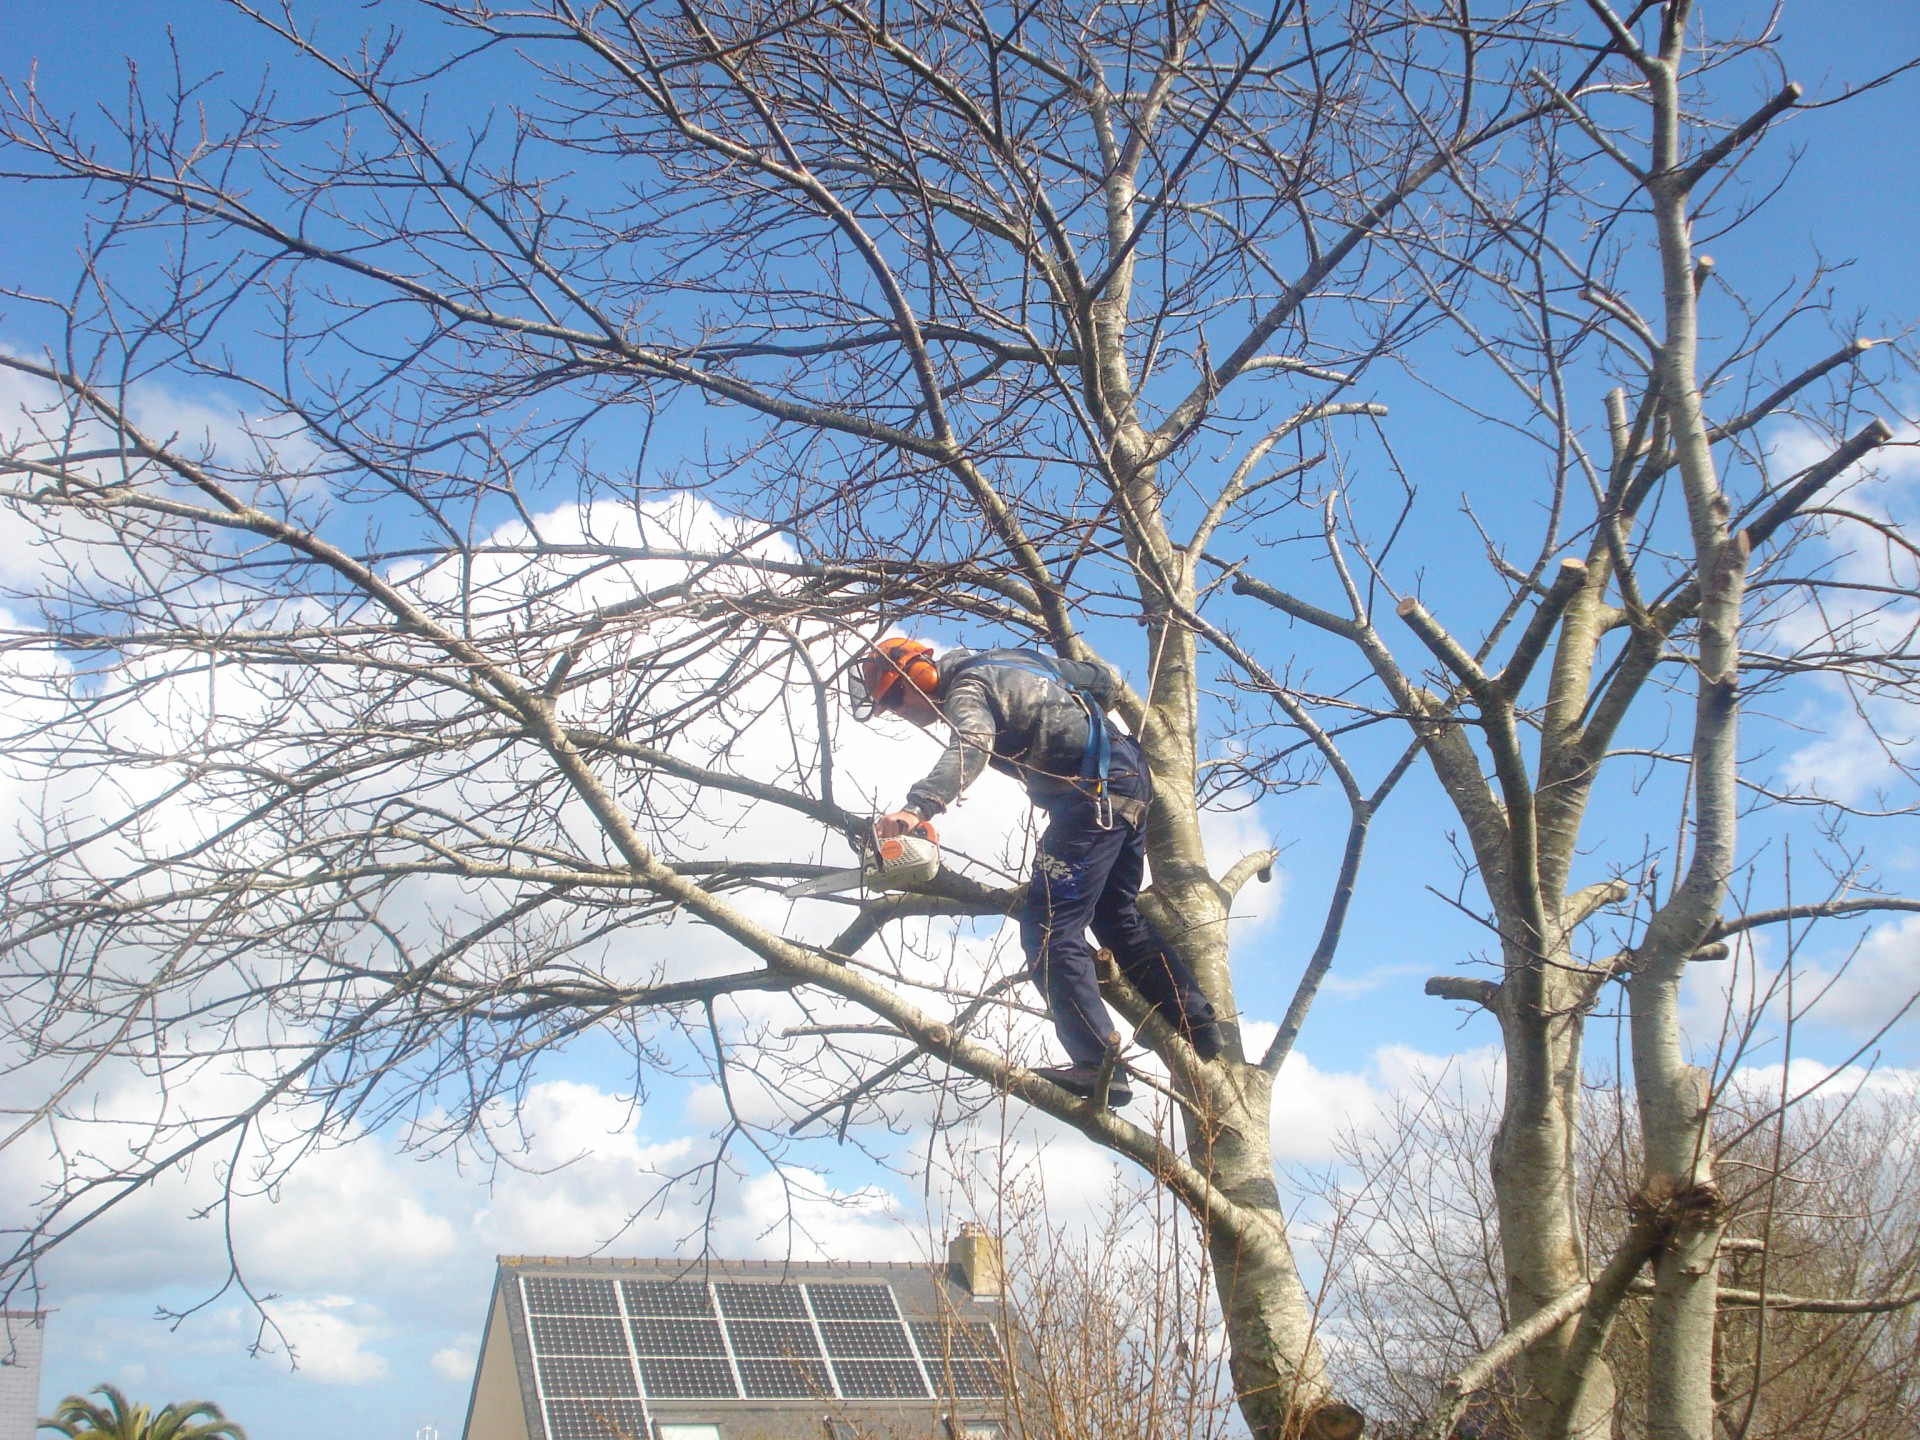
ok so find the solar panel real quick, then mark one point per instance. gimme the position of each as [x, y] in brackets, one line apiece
[966, 1378]
[587, 1375]
[872, 1357]
[791, 1338]
[973, 1339]
[869, 1339]
[656, 1336]
[852, 1302]
[752, 1300]
[673, 1377]
[880, 1379]
[570, 1295]
[595, 1419]
[676, 1340]
[667, 1297]
[758, 1339]
[962, 1357]
[778, 1379]
[577, 1335]
[971, 1378]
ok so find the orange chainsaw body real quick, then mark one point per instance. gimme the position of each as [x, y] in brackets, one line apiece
[890, 863]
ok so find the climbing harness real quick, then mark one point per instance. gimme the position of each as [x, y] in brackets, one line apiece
[1097, 759]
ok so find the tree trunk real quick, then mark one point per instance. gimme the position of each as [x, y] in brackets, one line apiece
[1675, 1098]
[1535, 1180]
[1278, 1372]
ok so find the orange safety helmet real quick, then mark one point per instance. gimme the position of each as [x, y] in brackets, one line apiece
[893, 662]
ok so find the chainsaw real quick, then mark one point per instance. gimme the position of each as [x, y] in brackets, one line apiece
[890, 864]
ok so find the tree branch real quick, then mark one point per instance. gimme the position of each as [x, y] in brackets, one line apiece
[1787, 97]
[1819, 910]
[1533, 640]
[1814, 479]
[1478, 1373]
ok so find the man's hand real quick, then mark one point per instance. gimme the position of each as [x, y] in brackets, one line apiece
[898, 822]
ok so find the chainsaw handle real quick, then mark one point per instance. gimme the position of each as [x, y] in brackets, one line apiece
[922, 831]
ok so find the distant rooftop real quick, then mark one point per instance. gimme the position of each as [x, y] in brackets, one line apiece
[612, 1349]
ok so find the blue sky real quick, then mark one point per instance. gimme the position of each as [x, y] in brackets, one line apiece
[382, 1260]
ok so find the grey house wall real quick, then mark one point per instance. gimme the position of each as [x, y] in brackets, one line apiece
[21, 1336]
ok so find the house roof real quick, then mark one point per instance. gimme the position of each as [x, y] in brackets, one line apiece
[612, 1349]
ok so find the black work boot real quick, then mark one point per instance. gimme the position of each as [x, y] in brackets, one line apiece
[1079, 1080]
[1207, 1040]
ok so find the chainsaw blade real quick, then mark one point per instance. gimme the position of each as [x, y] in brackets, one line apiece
[832, 883]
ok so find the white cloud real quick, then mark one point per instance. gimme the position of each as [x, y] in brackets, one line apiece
[456, 1361]
[1857, 993]
[349, 1214]
[1412, 1074]
[1340, 986]
[1882, 976]
[1810, 1079]
[327, 1343]
[1311, 1107]
[566, 1120]
[36, 421]
[1859, 756]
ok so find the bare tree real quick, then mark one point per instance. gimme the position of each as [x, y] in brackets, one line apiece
[391, 759]
[1678, 602]
[1815, 1332]
[1116, 1312]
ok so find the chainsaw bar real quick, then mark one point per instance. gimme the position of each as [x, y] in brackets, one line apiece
[831, 883]
[890, 864]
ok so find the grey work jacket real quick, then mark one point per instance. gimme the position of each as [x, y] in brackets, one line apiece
[1023, 724]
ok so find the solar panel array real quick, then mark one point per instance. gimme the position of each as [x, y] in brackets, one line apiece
[603, 1347]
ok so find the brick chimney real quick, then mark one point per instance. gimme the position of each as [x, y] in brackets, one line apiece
[973, 1256]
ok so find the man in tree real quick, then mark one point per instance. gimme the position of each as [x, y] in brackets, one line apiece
[1043, 721]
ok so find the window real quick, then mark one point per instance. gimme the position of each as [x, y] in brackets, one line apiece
[666, 1430]
[975, 1429]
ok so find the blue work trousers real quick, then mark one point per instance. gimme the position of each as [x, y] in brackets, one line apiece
[1088, 875]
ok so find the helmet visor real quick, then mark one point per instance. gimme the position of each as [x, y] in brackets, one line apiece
[875, 682]
[863, 679]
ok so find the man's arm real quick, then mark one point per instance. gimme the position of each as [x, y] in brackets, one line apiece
[968, 713]
[1104, 684]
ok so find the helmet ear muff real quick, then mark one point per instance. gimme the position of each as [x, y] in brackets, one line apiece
[921, 672]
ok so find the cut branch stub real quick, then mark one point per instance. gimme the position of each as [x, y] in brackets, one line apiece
[1445, 648]
[1255, 865]
[1464, 987]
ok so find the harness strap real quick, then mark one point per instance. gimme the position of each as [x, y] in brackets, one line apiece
[1096, 761]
